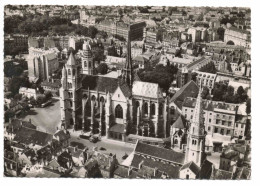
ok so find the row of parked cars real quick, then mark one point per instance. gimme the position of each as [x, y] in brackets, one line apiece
[90, 137]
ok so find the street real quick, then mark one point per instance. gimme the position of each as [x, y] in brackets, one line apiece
[48, 119]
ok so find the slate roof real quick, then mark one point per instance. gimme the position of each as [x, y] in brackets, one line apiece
[125, 89]
[206, 170]
[151, 90]
[171, 170]
[230, 154]
[56, 84]
[209, 105]
[160, 153]
[121, 171]
[192, 166]
[64, 158]
[31, 136]
[180, 123]
[194, 64]
[100, 83]
[219, 174]
[62, 135]
[190, 89]
[243, 173]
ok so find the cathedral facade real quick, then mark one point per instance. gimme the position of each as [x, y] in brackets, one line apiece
[111, 107]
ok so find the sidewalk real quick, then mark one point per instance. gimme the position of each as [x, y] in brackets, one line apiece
[122, 143]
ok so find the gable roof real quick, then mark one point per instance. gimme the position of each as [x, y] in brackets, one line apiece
[180, 123]
[151, 90]
[100, 83]
[125, 89]
[160, 153]
[62, 135]
[171, 170]
[30, 136]
[192, 166]
[190, 89]
[71, 60]
[206, 170]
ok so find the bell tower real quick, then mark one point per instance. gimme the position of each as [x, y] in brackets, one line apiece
[72, 71]
[195, 150]
[87, 60]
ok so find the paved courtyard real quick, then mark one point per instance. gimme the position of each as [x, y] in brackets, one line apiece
[46, 119]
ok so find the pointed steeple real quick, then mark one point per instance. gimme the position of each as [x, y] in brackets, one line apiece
[71, 61]
[127, 71]
[198, 111]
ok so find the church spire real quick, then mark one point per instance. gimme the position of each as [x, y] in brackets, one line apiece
[127, 71]
[195, 150]
[198, 112]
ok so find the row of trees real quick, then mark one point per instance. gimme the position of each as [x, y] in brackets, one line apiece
[223, 92]
[41, 25]
[210, 68]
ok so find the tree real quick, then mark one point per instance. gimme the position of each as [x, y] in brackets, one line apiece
[48, 95]
[9, 114]
[18, 97]
[241, 95]
[221, 32]
[41, 99]
[205, 93]
[92, 31]
[210, 68]
[102, 68]
[200, 17]
[98, 54]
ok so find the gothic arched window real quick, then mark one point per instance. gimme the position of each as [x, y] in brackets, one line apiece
[145, 108]
[101, 99]
[85, 64]
[119, 112]
[153, 109]
[93, 98]
[69, 72]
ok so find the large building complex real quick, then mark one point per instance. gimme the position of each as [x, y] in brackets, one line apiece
[122, 29]
[109, 106]
[238, 37]
[42, 63]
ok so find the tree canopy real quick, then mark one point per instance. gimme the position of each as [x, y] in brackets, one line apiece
[163, 75]
[102, 68]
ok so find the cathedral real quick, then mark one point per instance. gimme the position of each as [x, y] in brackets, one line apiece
[108, 106]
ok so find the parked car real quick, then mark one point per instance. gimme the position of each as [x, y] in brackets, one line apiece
[102, 148]
[93, 139]
[125, 156]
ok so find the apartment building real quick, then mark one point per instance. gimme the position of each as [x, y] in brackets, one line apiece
[219, 120]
